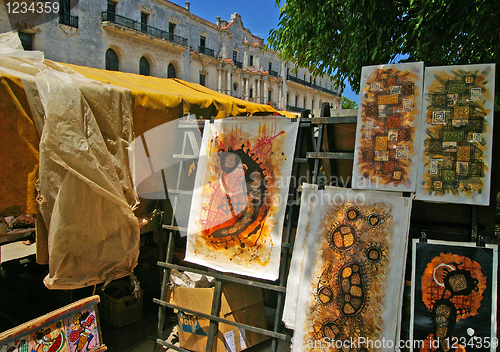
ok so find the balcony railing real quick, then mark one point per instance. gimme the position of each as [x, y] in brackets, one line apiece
[68, 20]
[298, 80]
[294, 108]
[144, 28]
[206, 51]
[273, 73]
[238, 64]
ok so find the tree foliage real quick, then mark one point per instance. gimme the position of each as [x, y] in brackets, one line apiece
[348, 103]
[339, 37]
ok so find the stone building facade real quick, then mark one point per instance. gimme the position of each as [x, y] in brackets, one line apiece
[162, 39]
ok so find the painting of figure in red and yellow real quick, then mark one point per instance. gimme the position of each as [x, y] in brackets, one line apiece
[240, 195]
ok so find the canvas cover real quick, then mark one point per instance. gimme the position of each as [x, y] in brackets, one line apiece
[240, 195]
[308, 197]
[353, 268]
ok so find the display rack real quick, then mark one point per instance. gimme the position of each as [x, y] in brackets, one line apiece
[311, 149]
[307, 154]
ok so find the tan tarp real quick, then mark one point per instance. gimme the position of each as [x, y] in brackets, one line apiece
[71, 126]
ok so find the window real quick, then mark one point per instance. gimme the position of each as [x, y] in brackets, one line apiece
[111, 11]
[144, 22]
[251, 61]
[270, 66]
[65, 15]
[171, 31]
[203, 41]
[144, 66]
[202, 79]
[235, 86]
[251, 92]
[170, 71]
[296, 100]
[287, 72]
[235, 55]
[26, 40]
[269, 95]
[111, 60]
[287, 98]
[304, 103]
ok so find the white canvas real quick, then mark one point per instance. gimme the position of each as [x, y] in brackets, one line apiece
[240, 195]
[352, 278]
[388, 128]
[456, 138]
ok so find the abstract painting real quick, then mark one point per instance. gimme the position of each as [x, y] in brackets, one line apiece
[453, 297]
[388, 127]
[352, 278]
[308, 197]
[240, 195]
[456, 136]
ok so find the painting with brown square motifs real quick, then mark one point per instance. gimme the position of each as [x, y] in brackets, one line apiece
[388, 126]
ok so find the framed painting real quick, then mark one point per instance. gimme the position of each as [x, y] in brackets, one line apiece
[456, 138]
[352, 278]
[240, 195]
[387, 135]
[454, 297]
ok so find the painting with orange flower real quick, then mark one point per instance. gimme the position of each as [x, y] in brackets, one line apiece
[456, 138]
[351, 287]
[453, 297]
[387, 132]
[240, 195]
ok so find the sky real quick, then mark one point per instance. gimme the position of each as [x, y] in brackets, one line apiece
[259, 16]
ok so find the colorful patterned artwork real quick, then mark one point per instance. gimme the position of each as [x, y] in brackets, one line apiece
[453, 297]
[70, 329]
[455, 160]
[388, 127]
[240, 195]
[352, 279]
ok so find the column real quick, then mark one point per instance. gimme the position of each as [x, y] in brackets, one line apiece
[280, 96]
[257, 91]
[228, 92]
[283, 88]
[219, 84]
[247, 88]
[240, 76]
[264, 97]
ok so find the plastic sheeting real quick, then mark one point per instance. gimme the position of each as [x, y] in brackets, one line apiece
[85, 194]
[70, 126]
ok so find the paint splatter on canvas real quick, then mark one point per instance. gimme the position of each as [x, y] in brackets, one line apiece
[388, 127]
[240, 195]
[455, 160]
[352, 280]
[453, 296]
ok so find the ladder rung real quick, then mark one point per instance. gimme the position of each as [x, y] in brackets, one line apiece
[330, 155]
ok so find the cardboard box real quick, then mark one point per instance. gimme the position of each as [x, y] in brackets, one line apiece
[122, 311]
[239, 303]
